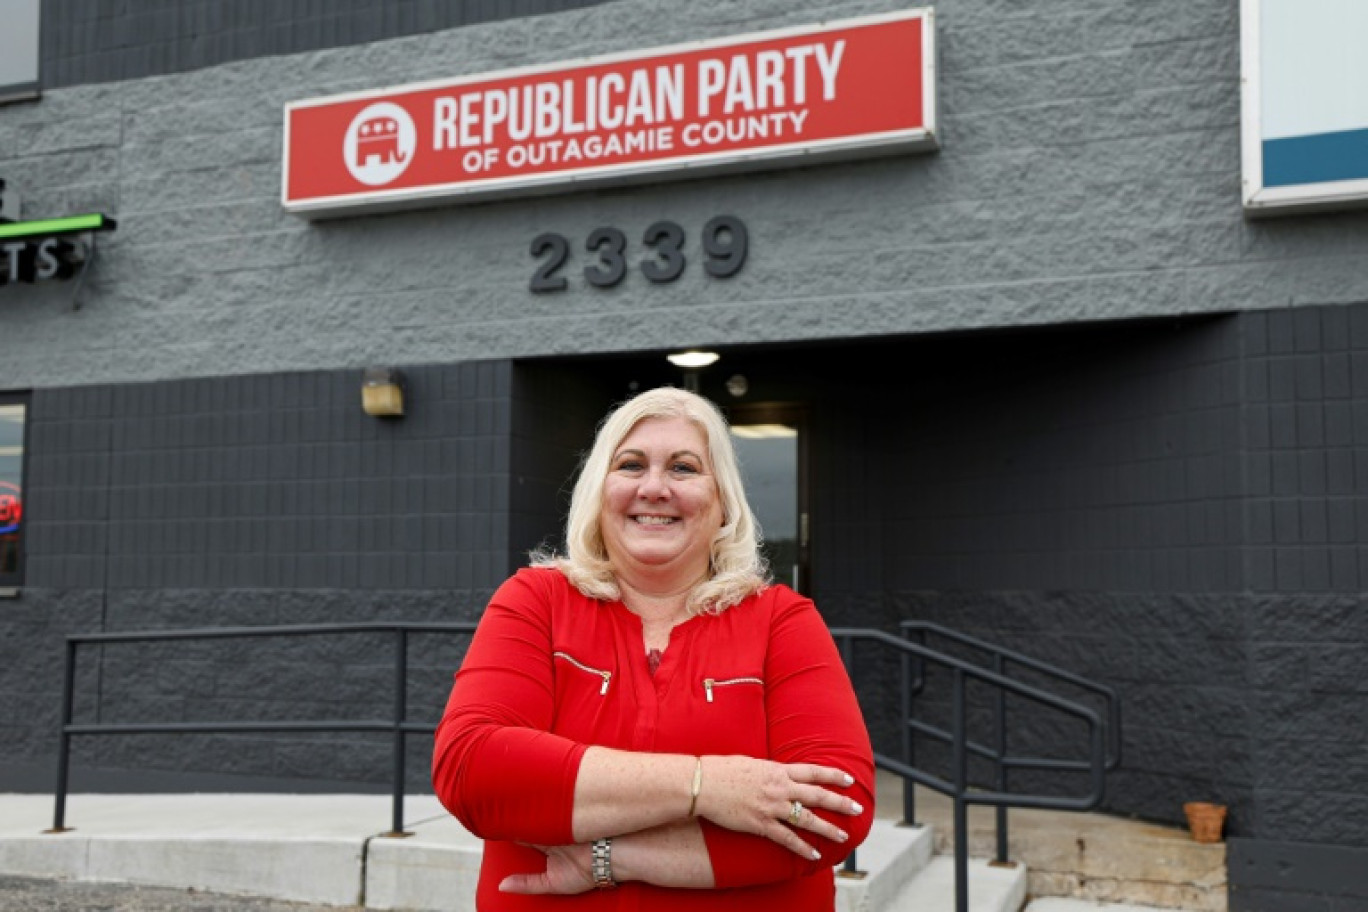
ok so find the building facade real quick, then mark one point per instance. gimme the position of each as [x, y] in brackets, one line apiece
[1047, 384]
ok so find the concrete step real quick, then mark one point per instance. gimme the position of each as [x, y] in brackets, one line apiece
[991, 888]
[1059, 904]
[1094, 857]
[890, 858]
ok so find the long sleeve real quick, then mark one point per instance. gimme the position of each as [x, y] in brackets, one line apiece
[496, 766]
[813, 717]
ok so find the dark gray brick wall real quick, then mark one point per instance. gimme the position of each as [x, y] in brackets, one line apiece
[556, 409]
[334, 676]
[254, 501]
[1180, 663]
[107, 41]
[1094, 461]
[1307, 691]
[1282, 876]
[1305, 425]
[1104, 500]
[272, 481]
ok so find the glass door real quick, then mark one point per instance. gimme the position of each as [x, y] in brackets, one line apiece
[771, 445]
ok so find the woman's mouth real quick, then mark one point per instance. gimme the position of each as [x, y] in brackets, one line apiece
[644, 520]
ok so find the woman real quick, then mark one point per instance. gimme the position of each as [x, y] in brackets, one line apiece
[647, 713]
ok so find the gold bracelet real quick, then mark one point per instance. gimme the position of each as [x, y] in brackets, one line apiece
[697, 785]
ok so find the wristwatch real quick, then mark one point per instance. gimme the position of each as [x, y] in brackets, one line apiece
[602, 864]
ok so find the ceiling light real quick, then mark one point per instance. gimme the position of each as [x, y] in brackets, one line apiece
[693, 358]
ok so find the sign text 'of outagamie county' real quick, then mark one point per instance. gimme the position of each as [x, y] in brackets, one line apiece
[845, 89]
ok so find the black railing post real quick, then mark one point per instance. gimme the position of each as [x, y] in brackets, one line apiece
[909, 741]
[64, 741]
[400, 713]
[847, 647]
[1001, 722]
[960, 761]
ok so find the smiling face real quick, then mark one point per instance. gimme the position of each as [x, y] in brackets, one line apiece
[661, 508]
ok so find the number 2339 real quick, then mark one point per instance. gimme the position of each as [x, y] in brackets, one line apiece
[724, 241]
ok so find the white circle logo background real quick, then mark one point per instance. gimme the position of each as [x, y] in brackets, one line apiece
[379, 144]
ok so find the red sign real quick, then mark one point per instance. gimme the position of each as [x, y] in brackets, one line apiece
[840, 90]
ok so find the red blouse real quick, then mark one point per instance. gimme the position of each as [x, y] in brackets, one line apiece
[551, 672]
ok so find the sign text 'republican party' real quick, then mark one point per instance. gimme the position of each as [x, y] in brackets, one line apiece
[844, 89]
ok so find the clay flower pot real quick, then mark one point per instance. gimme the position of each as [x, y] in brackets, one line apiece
[1205, 820]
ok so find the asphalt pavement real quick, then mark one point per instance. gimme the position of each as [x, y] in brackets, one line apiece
[29, 894]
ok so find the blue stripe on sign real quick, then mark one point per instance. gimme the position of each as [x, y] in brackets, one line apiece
[1314, 159]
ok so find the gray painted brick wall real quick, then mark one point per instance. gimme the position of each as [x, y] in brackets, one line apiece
[1090, 170]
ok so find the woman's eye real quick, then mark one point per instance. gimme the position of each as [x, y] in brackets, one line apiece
[683, 468]
[629, 465]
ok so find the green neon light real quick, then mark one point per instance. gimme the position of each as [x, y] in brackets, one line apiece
[92, 222]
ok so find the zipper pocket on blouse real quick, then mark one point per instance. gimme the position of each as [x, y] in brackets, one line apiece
[607, 676]
[710, 683]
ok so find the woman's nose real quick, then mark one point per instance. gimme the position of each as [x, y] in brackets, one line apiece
[655, 484]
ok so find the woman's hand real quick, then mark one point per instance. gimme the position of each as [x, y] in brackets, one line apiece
[567, 873]
[757, 796]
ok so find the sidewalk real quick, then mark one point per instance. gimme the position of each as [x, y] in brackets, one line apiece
[308, 848]
[327, 849]
[331, 849]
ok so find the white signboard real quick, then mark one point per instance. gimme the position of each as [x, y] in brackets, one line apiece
[1305, 104]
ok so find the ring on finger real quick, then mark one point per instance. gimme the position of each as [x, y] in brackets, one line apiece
[795, 812]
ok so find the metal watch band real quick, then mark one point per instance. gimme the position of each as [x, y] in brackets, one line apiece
[602, 867]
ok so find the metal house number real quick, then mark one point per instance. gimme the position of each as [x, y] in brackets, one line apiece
[725, 244]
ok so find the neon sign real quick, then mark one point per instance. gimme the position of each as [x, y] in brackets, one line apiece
[11, 508]
[46, 248]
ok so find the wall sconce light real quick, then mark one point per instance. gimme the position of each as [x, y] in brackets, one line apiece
[382, 392]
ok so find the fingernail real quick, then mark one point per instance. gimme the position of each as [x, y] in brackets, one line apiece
[816, 855]
[859, 809]
[849, 779]
[842, 836]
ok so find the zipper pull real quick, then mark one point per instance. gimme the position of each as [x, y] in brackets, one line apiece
[607, 675]
[708, 686]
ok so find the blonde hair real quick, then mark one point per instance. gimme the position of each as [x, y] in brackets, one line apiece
[736, 568]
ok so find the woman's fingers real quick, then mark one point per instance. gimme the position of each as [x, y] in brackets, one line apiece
[566, 873]
[816, 797]
[824, 828]
[821, 775]
[536, 884]
[792, 841]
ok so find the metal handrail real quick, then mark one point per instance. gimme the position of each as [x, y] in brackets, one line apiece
[959, 789]
[397, 724]
[1000, 656]
[961, 746]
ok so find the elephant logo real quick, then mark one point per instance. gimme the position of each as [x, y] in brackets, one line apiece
[379, 144]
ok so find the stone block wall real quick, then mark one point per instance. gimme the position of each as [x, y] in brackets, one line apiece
[1089, 170]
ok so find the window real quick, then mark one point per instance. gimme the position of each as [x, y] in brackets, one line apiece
[12, 414]
[18, 50]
